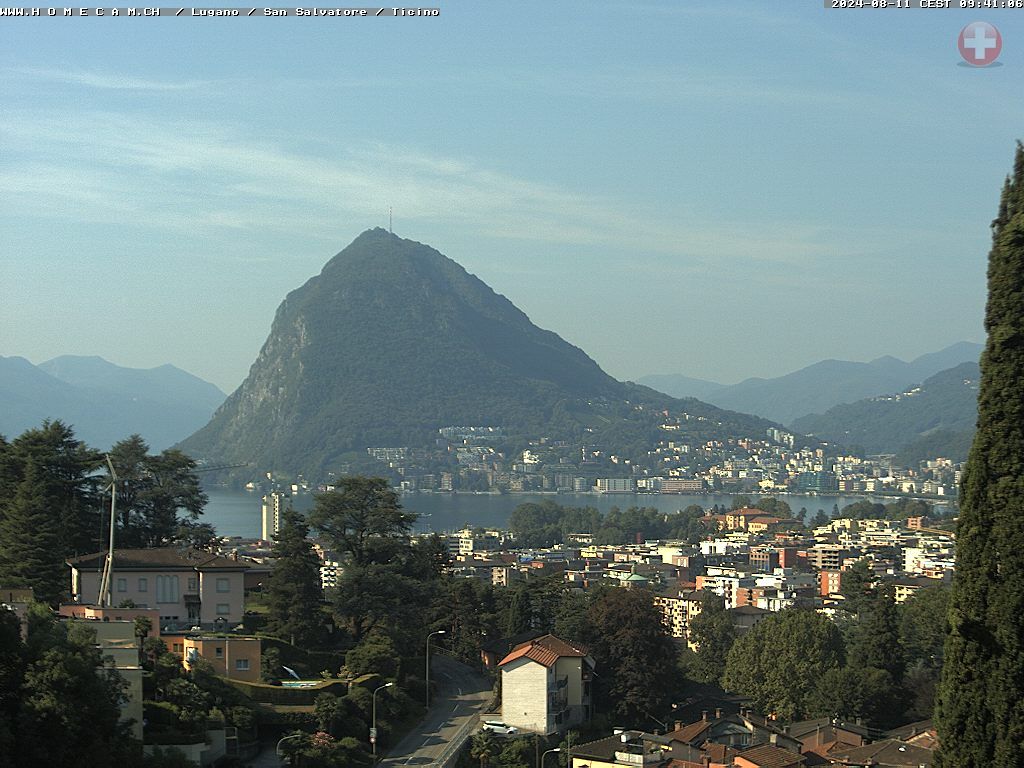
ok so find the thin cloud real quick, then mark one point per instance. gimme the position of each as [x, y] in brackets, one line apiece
[107, 81]
[204, 175]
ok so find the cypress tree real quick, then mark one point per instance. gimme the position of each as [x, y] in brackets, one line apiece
[980, 704]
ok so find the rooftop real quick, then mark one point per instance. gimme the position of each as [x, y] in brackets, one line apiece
[165, 558]
[545, 650]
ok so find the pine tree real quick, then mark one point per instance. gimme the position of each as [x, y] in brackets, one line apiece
[980, 705]
[293, 593]
[30, 552]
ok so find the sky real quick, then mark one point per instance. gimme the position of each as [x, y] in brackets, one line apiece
[720, 190]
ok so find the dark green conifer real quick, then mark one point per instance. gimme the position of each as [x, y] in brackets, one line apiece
[30, 552]
[980, 705]
[294, 597]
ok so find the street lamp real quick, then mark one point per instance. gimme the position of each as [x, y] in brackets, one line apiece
[438, 632]
[277, 749]
[373, 726]
[556, 749]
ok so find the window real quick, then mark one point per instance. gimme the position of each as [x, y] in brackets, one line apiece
[223, 609]
[242, 665]
[219, 652]
[223, 585]
[143, 584]
[193, 584]
[122, 585]
[179, 648]
[167, 589]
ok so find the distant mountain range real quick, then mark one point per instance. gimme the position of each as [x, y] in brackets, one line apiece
[817, 387]
[936, 418]
[392, 341]
[104, 402]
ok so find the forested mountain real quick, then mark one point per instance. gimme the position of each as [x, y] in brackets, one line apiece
[104, 402]
[935, 418]
[817, 387]
[393, 340]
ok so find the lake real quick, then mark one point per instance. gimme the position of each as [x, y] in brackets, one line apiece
[237, 513]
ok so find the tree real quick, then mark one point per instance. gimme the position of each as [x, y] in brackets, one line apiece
[979, 708]
[858, 692]
[634, 653]
[30, 550]
[12, 653]
[875, 641]
[70, 704]
[293, 594]
[362, 519]
[374, 655]
[924, 625]
[713, 632]
[779, 661]
[151, 493]
[64, 467]
[483, 747]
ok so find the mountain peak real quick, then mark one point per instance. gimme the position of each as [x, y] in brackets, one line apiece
[390, 342]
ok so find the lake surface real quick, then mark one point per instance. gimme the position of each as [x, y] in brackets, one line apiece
[237, 513]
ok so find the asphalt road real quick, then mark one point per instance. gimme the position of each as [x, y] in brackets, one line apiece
[454, 715]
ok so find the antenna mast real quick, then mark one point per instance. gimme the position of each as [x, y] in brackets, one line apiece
[391, 230]
[106, 582]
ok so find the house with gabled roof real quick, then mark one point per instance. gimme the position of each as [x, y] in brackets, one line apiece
[739, 730]
[545, 685]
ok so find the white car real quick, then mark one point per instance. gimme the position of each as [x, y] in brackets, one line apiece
[499, 728]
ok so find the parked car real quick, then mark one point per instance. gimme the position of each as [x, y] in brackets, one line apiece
[499, 728]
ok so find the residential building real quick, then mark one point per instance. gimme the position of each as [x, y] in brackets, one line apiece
[274, 505]
[615, 485]
[188, 587]
[545, 685]
[623, 749]
[238, 658]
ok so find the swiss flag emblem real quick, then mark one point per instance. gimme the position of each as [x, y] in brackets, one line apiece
[980, 43]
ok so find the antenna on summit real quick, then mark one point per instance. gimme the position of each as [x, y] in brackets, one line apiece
[391, 231]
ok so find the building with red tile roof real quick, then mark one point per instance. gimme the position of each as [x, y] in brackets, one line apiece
[545, 685]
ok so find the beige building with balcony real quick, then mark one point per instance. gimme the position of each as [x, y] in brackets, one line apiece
[545, 685]
[188, 588]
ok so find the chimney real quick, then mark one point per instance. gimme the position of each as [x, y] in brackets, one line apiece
[718, 714]
[704, 716]
[678, 725]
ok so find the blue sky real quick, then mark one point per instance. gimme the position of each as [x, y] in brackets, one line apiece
[720, 190]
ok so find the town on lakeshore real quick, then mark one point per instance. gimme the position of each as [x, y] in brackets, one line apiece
[467, 459]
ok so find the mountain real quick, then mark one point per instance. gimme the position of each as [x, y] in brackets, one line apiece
[165, 384]
[820, 386]
[677, 385]
[934, 418]
[392, 341]
[104, 402]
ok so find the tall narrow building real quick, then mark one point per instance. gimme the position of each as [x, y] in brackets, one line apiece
[274, 504]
